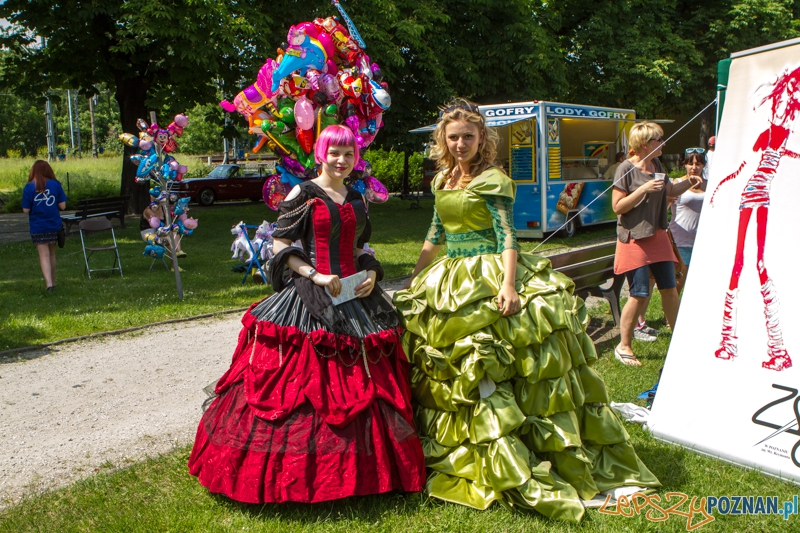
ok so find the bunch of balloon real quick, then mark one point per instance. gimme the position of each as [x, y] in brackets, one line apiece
[321, 77]
[158, 169]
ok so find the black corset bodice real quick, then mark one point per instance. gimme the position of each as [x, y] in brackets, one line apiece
[329, 232]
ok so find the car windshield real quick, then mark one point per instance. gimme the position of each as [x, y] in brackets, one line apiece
[222, 171]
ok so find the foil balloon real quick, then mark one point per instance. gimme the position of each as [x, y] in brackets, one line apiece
[358, 186]
[305, 138]
[145, 162]
[294, 85]
[154, 250]
[376, 191]
[274, 191]
[304, 113]
[255, 96]
[304, 52]
[287, 177]
[129, 139]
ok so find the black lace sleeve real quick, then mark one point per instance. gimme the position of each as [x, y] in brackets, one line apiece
[293, 216]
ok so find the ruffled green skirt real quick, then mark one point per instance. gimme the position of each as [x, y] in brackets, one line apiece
[509, 408]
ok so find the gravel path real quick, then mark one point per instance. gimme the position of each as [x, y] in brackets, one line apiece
[83, 407]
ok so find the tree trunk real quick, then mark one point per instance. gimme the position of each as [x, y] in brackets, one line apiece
[706, 120]
[131, 95]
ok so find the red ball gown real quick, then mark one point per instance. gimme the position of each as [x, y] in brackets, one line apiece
[316, 404]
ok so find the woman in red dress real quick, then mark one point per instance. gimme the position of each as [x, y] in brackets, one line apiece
[316, 403]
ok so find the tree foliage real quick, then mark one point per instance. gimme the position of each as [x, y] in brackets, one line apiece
[162, 55]
[658, 57]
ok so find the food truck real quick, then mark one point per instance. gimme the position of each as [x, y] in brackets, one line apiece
[557, 154]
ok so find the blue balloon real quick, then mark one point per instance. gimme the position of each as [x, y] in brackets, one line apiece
[288, 177]
[358, 186]
[153, 250]
[313, 57]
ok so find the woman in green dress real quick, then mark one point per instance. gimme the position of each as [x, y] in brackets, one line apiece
[509, 407]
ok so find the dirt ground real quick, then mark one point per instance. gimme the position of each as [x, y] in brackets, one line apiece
[72, 410]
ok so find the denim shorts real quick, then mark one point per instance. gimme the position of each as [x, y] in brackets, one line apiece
[639, 279]
[686, 254]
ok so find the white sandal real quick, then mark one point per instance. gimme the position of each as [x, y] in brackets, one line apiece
[626, 359]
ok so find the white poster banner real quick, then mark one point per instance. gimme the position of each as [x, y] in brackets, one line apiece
[731, 379]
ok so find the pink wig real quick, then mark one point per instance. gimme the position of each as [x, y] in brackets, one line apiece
[335, 135]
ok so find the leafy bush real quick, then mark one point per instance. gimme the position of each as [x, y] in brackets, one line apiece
[387, 166]
[11, 152]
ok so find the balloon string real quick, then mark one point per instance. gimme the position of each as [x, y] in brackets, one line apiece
[621, 177]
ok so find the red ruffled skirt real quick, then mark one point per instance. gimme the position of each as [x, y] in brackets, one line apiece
[309, 415]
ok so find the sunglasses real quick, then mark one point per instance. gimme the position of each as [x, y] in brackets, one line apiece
[690, 151]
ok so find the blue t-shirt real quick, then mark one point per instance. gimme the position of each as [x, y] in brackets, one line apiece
[44, 214]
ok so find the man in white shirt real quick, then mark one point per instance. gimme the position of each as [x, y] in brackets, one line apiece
[612, 170]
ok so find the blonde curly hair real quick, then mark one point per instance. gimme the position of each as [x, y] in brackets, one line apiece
[462, 110]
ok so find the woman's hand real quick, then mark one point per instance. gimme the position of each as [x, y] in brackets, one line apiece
[365, 287]
[696, 180]
[652, 186]
[508, 300]
[331, 281]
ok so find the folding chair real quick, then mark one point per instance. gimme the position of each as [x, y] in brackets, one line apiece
[96, 225]
[256, 254]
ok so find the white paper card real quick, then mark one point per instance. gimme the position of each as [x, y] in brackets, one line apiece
[349, 285]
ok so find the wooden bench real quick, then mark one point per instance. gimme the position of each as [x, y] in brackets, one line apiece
[111, 207]
[590, 268]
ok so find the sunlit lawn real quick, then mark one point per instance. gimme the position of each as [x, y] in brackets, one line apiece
[159, 495]
[29, 315]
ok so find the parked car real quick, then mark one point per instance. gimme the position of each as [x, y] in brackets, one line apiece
[228, 182]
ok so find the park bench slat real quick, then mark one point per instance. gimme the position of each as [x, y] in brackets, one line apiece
[590, 268]
[111, 207]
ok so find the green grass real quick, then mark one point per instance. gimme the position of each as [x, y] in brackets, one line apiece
[80, 178]
[81, 306]
[160, 495]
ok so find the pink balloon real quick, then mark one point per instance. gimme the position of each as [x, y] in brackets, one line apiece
[304, 113]
[183, 169]
[145, 145]
[274, 191]
[183, 217]
[376, 192]
[181, 120]
[190, 223]
[173, 164]
[155, 222]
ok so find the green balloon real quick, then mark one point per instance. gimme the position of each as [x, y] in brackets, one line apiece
[291, 144]
[287, 115]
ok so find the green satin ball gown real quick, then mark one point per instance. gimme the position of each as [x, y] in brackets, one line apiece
[509, 408]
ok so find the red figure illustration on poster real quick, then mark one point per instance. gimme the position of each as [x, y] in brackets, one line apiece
[784, 98]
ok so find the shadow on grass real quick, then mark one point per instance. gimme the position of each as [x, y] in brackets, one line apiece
[365, 509]
[8, 335]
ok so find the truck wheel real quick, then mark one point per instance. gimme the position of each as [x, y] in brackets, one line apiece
[206, 197]
[570, 229]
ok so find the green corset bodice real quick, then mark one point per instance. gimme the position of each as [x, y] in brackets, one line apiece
[475, 220]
